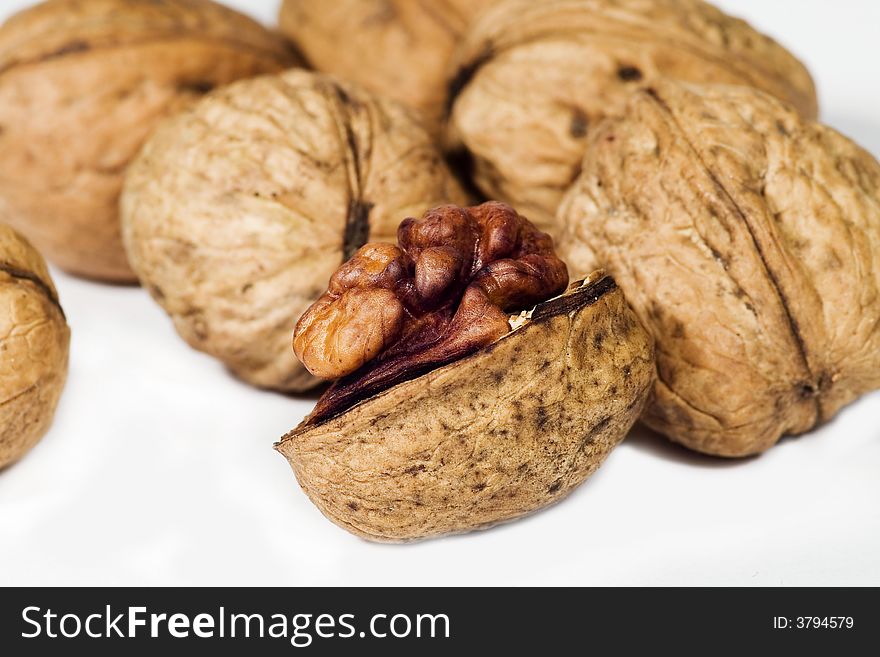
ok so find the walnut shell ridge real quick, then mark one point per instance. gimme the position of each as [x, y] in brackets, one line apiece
[34, 344]
[239, 210]
[396, 48]
[535, 78]
[82, 84]
[496, 435]
[748, 240]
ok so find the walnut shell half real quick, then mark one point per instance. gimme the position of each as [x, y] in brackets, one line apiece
[396, 48]
[82, 84]
[239, 209]
[488, 438]
[34, 342]
[535, 78]
[748, 240]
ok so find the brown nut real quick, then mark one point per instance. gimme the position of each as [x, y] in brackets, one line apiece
[393, 311]
[396, 48]
[82, 84]
[480, 421]
[238, 210]
[748, 241]
[34, 341]
[534, 79]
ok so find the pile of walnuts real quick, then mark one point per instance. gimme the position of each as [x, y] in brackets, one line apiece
[406, 211]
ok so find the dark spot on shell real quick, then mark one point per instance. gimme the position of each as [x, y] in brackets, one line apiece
[541, 418]
[555, 487]
[629, 74]
[343, 96]
[353, 506]
[497, 376]
[781, 129]
[678, 330]
[602, 424]
[479, 487]
[807, 390]
[626, 371]
[719, 258]
[198, 87]
[579, 124]
[598, 339]
[414, 470]
[70, 48]
[652, 92]
[246, 287]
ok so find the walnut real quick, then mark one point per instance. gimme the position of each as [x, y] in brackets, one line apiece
[396, 48]
[82, 84]
[748, 240]
[452, 414]
[239, 209]
[535, 78]
[392, 311]
[34, 341]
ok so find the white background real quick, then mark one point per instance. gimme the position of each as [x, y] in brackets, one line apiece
[160, 467]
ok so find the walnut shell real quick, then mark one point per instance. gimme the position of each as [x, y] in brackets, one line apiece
[238, 210]
[82, 84]
[34, 341]
[396, 48]
[488, 438]
[534, 78]
[748, 240]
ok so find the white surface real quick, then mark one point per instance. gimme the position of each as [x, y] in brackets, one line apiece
[160, 468]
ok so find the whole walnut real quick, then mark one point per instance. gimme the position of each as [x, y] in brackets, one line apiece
[748, 241]
[239, 209]
[82, 84]
[396, 48]
[467, 391]
[34, 342]
[534, 79]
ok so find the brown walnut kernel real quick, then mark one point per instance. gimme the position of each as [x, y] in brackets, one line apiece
[393, 312]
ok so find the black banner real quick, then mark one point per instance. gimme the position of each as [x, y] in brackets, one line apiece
[435, 621]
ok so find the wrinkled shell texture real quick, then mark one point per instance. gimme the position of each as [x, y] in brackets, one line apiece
[34, 341]
[499, 434]
[82, 84]
[239, 210]
[535, 78]
[748, 240]
[396, 48]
